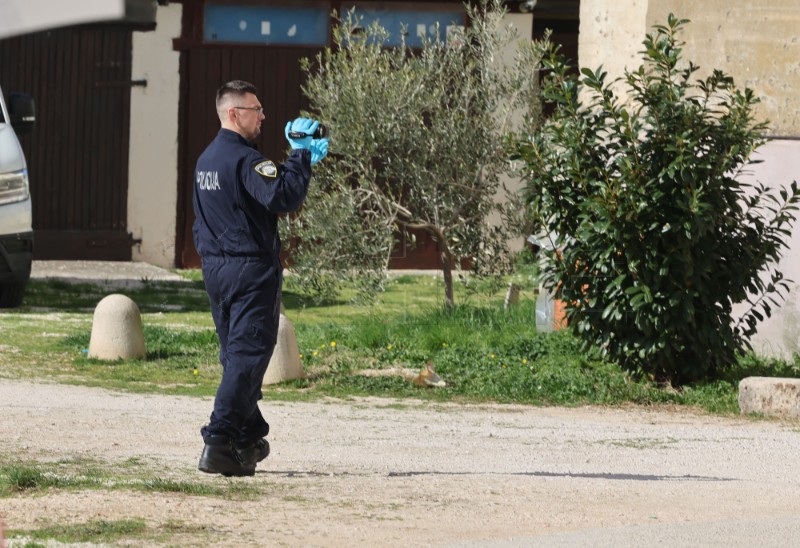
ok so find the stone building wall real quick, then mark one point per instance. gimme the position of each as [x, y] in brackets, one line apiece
[756, 43]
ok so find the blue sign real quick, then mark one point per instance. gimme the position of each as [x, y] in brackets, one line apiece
[266, 25]
[416, 25]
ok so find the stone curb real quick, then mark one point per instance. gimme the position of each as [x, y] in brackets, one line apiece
[771, 396]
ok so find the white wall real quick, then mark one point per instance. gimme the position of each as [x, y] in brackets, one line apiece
[779, 336]
[153, 155]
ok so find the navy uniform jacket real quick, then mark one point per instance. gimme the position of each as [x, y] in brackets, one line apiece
[238, 195]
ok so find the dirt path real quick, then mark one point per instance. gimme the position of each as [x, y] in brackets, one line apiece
[386, 473]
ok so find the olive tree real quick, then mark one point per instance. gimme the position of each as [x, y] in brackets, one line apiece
[417, 144]
[656, 234]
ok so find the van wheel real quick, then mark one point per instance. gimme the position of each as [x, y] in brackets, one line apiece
[11, 295]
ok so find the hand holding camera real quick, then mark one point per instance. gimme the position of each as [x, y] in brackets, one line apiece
[302, 131]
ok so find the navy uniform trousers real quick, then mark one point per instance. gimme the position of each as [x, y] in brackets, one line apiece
[245, 296]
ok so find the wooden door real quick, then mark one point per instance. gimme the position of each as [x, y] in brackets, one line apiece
[77, 154]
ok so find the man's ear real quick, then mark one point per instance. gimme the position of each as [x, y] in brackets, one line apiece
[230, 114]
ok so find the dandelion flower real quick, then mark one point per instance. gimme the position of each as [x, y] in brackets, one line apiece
[195, 372]
[524, 361]
[388, 347]
[315, 353]
[333, 344]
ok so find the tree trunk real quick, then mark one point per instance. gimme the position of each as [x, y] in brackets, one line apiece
[445, 257]
[447, 272]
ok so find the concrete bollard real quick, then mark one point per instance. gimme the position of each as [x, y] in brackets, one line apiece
[285, 362]
[512, 296]
[775, 397]
[116, 330]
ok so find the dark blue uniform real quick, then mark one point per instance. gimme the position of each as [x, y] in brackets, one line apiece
[238, 195]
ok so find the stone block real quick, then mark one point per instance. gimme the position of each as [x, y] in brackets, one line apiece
[116, 330]
[285, 362]
[512, 295]
[772, 396]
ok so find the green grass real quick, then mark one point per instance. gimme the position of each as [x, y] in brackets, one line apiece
[483, 352]
[36, 479]
[125, 532]
[29, 478]
[150, 296]
[92, 531]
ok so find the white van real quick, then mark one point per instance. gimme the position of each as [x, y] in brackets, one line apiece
[16, 219]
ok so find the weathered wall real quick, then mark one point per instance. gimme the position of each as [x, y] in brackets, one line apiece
[153, 156]
[522, 22]
[756, 43]
[611, 34]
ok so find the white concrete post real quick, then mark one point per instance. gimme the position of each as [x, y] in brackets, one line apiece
[285, 362]
[116, 330]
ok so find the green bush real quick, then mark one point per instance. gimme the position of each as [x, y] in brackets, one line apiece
[655, 236]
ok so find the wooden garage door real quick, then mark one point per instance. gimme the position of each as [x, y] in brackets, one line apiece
[77, 154]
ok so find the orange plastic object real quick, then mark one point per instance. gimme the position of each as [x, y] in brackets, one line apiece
[559, 314]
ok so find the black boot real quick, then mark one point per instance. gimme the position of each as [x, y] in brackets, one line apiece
[254, 452]
[219, 457]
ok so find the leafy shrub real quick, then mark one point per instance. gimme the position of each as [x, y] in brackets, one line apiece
[655, 236]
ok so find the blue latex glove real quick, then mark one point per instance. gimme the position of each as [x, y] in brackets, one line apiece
[319, 149]
[305, 126]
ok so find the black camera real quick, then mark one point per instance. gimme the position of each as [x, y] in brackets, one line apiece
[320, 133]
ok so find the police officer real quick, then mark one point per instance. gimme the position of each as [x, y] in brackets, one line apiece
[238, 196]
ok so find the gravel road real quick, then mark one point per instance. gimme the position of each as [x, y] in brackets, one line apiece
[375, 472]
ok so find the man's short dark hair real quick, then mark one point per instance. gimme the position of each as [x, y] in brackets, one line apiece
[236, 88]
